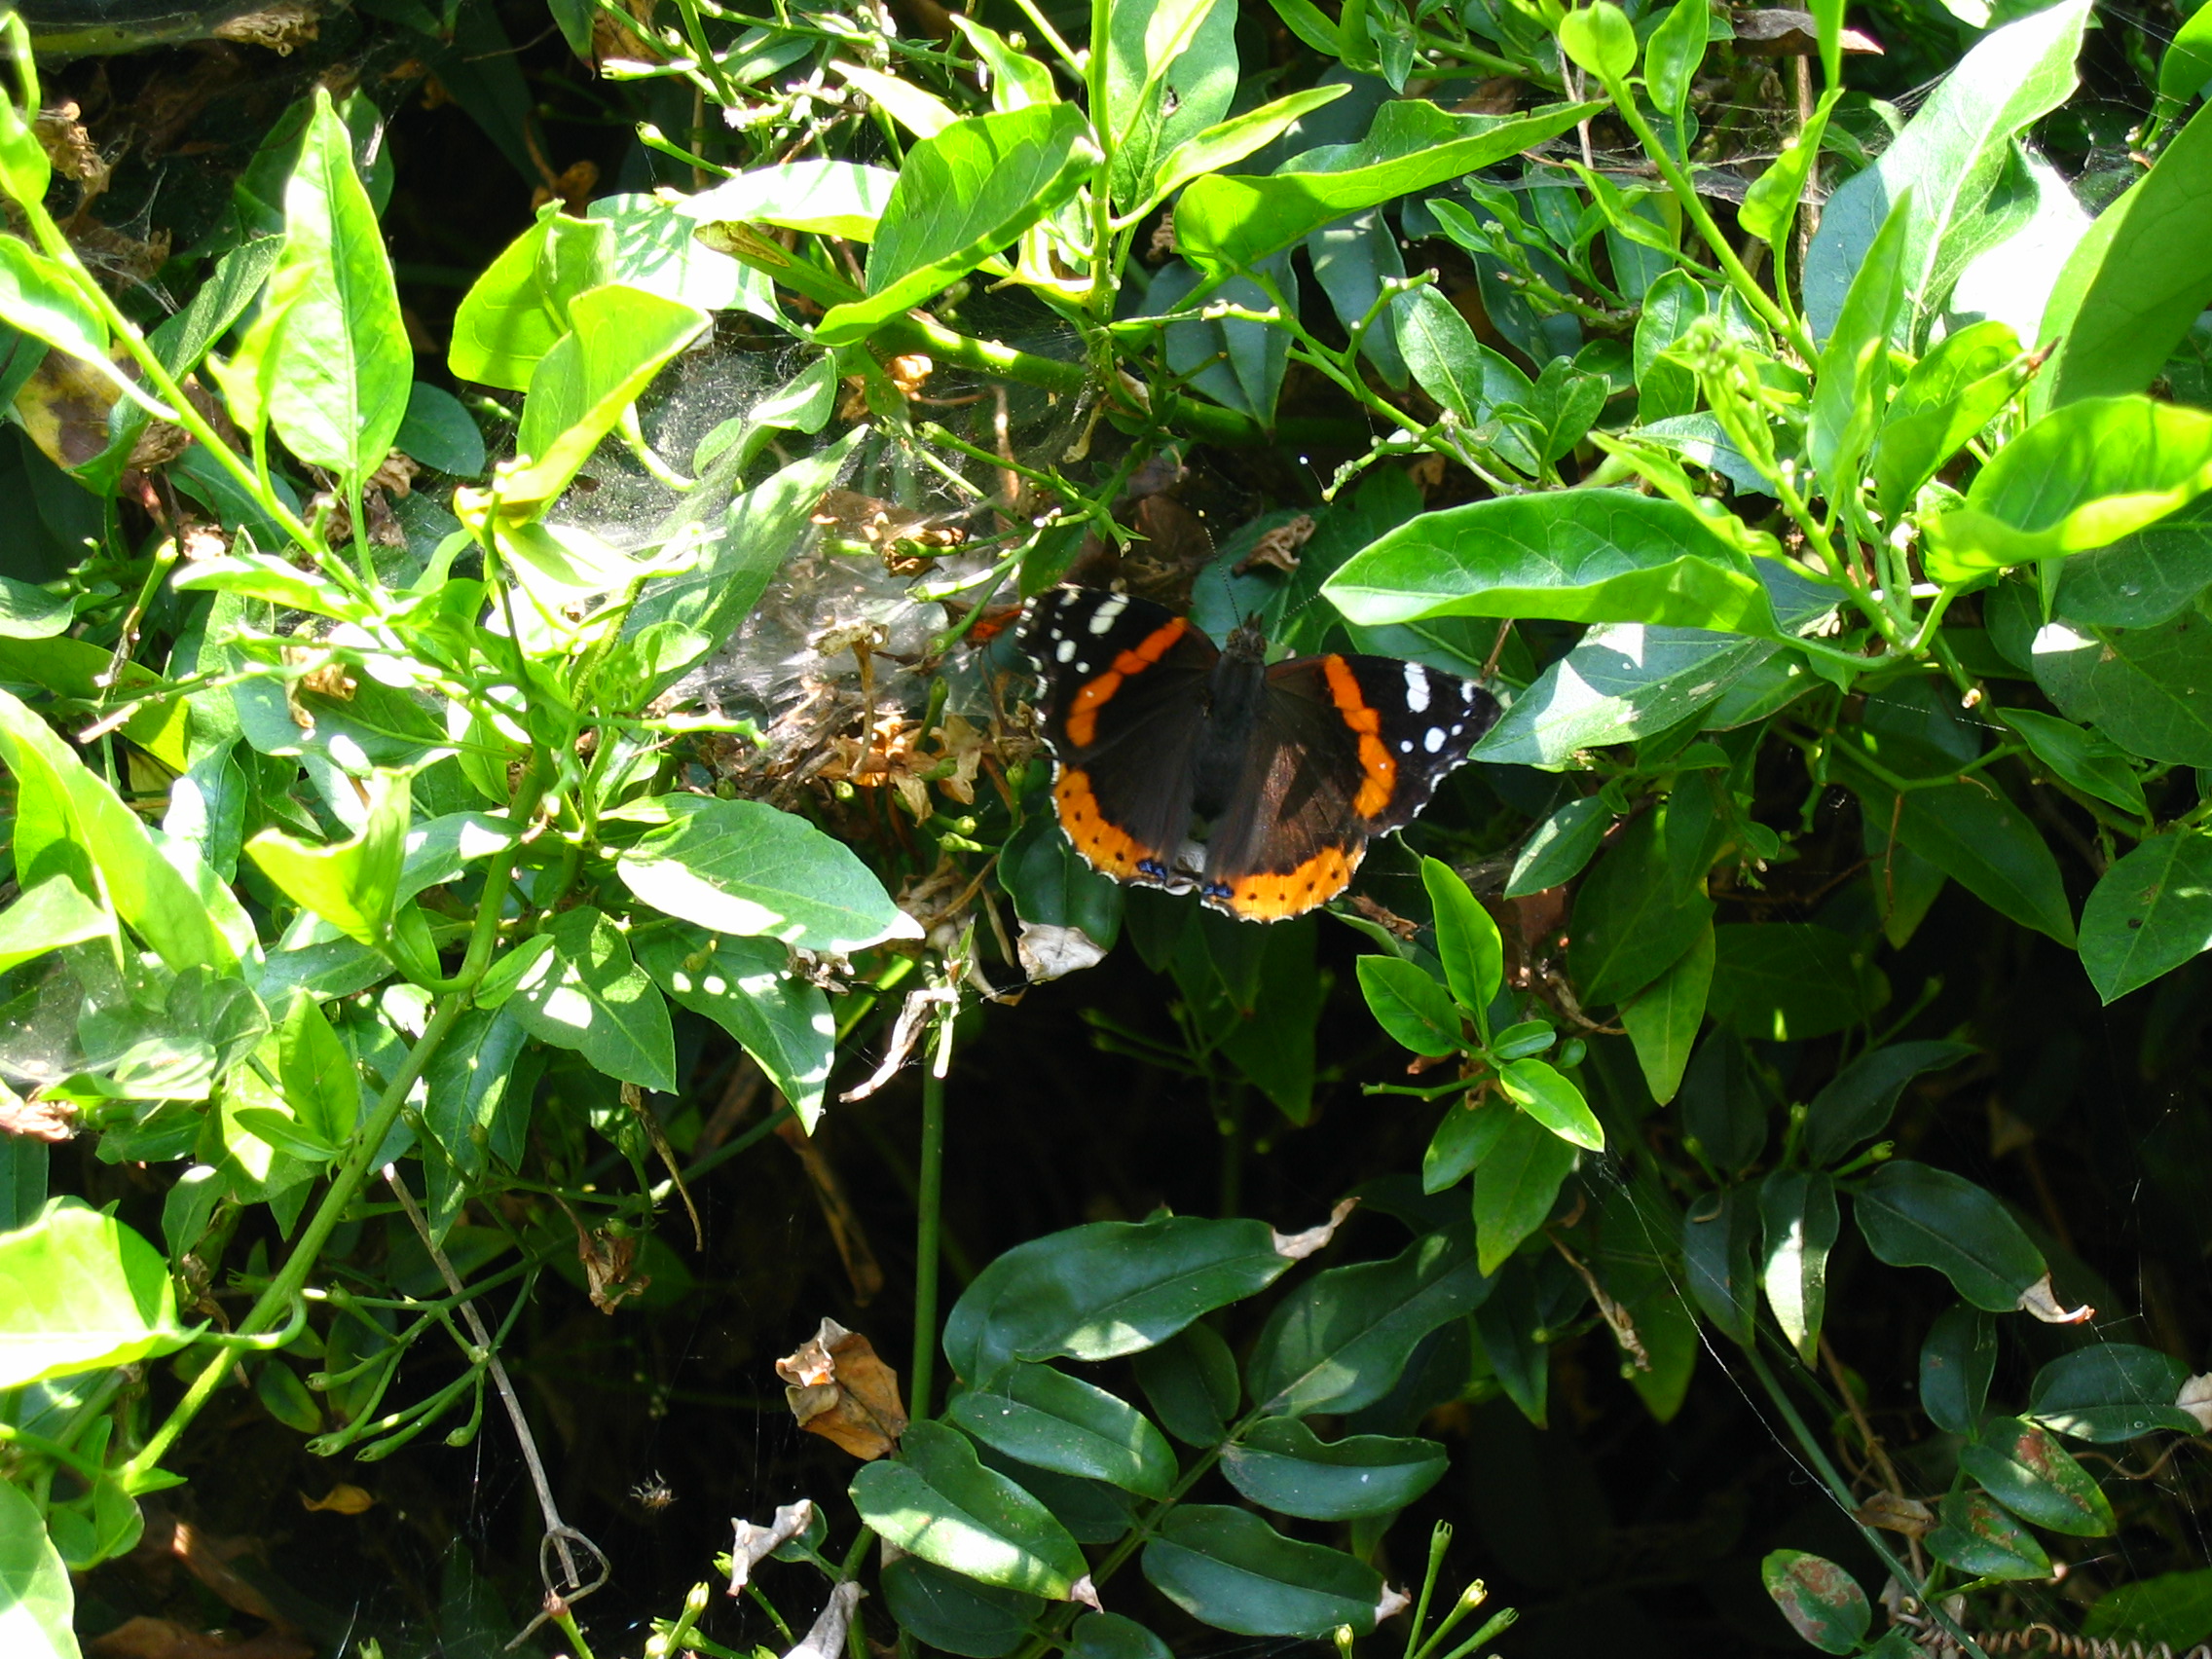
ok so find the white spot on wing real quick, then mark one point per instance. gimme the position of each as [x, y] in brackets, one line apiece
[1417, 688]
[1108, 613]
[1434, 740]
[1065, 652]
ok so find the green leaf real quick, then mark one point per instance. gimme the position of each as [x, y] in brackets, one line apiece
[2110, 1392]
[2089, 760]
[46, 917]
[829, 198]
[1916, 1216]
[2143, 579]
[1855, 1105]
[1108, 1636]
[1821, 1601]
[84, 1293]
[479, 1083]
[1282, 1465]
[37, 1602]
[2140, 686]
[936, 1500]
[1983, 1542]
[1718, 1231]
[1663, 1019]
[1228, 142]
[1601, 39]
[2021, 1466]
[1949, 396]
[513, 313]
[342, 365]
[2080, 477]
[320, 1085]
[1573, 556]
[2149, 913]
[2174, 1609]
[1956, 1364]
[1798, 1215]
[2139, 280]
[962, 195]
[1171, 71]
[1229, 1568]
[1417, 1011]
[1462, 1139]
[1952, 155]
[747, 987]
[587, 994]
[742, 866]
[1190, 1381]
[1047, 1419]
[955, 1614]
[352, 885]
[1635, 915]
[1106, 1289]
[1553, 1101]
[1672, 56]
[1791, 980]
[1341, 1339]
[1468, 941]
[1769, 209]
[440, 432]
[1227, 222]
[1466, 377]
[1621, 681]
[1558, 848]
[1851, 388]
[620, 340]
[1516, 1185]
[69, 823]
[1982, 841]
[37, 297]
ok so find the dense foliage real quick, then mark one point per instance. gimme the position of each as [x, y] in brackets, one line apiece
[542, 781]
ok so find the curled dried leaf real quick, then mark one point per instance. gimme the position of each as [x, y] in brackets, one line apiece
[2195, 1398]
[340, 1499]
[840, 1388]
[756, 1544]
[2040, 1302]
[1297, 1246]
[826, 1637]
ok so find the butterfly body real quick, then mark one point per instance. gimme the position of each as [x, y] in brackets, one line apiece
[1182, 765]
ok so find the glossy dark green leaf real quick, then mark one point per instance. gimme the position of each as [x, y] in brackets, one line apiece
[1052, 887]
[1800, 1223]
[2144, 578]
[1956, 1364]
[1170, 74]
[1106, 1289]
[1108, 1636]
[1558, 848]
[1059, 1422]
[2089, 760]
[319, 1082]
[2172, 1608]
[1917, 1216]
[1462, 1141]
[1192, 1385]
[1975, 835]
[1416, 1011]
[1225, 222]
[2138, 281]
[1791, 980]
[1229, 1568]
[2021, 1466]
[935, 1500]
[962, 195]
[1663, 1020]
[2142, 687]
[477, 1091]
[1980, 1540]
[742, 866]
[1282, 1465]
[1516, 1185]
[2110, 1392]
[587, 994]
[1466, 377]
[1467, 940]
[956, 1614]
[2149, 913]
[1821, 1601]
[1552, 1100]
[1621, 681]
[1855, 1105]
[1635, 915]
[1576, 556]
[1340, 1341]
[1718, 1233]
[439, 432]
[747, 987]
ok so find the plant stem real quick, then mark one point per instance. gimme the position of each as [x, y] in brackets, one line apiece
[928, 1205]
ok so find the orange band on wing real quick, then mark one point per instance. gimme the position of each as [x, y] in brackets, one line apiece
[1105, 848]
[1271, 898]
[1083, 712]
[1378, 772]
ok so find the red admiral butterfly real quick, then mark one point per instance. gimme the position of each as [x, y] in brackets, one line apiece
[1292, 767]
